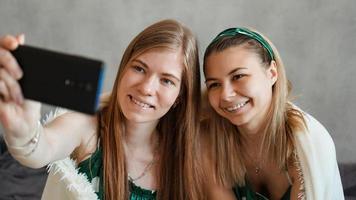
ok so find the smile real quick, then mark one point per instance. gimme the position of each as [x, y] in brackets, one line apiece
[140, 103]
[235, 107]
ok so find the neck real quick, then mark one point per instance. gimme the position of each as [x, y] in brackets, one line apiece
[140, 145]
[252, 133]
[252, 137]
[140, 136]
[255, 130]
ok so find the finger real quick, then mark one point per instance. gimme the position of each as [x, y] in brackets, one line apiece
[13, 88]
[8, 117]
[9, 42]
[4, 93]
[4, 114]
[8, 62]
[21, 39]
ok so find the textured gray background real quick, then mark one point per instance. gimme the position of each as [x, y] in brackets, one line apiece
[317, 41]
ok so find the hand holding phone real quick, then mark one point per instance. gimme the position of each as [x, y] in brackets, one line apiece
[60, 79]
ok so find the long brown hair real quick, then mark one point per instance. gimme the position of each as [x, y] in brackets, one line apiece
[282, 119]
[177, 129]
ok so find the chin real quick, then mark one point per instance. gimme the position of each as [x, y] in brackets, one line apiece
[139, 118]
[240, 120]
[135, 117]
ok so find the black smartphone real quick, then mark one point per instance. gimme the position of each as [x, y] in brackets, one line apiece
[60, 79]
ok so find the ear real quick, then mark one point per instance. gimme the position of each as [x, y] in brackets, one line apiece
[272, 72]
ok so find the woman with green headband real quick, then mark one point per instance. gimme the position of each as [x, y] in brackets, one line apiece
[260, 145]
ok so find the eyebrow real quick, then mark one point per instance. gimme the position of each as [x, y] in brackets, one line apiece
[164, 74]
[231, 72]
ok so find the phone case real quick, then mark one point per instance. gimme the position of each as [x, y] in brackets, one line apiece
[60, 79]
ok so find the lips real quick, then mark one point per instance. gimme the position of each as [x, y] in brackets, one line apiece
[235, 107]
[142, 104]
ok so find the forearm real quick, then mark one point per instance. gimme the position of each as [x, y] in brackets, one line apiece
[33, 151]
[55, 141]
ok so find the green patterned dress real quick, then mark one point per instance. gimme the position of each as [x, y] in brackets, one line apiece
[93, 169]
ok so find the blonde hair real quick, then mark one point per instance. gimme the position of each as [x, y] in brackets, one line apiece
[178, 176]
[282, 120]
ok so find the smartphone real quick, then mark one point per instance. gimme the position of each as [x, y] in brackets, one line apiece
[60, 79]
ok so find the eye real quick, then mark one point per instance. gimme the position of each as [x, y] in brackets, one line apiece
[168, 82]
[237, 76]
[138, 69]
[212, 85]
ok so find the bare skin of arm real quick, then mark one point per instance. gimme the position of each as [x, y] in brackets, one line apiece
[19, 118]
[66, 133]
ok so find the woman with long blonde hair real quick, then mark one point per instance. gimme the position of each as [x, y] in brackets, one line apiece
[259, 144]
[140, 145]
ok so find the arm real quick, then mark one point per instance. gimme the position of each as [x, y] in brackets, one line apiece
[29, 142]
[316, 152]
[59, 139]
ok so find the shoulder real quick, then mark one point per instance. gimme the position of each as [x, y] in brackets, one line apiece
[70, 120]
[317, 156]
[313, 131]
[315, 141]
[79, 128]
[317, 131]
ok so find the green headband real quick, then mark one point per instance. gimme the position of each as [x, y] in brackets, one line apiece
[247, 32]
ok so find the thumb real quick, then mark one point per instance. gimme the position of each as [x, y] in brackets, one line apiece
[9, 42]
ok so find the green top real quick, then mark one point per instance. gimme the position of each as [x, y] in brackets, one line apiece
[93, 169]
[246, 192]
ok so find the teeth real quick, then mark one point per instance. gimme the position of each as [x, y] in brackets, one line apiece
[235, 107]
[143, 105]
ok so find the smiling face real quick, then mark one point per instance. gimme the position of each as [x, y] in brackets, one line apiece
[150, 85]
[240, 86]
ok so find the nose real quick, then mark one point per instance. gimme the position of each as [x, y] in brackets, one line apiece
[149, 86]
[227, 92]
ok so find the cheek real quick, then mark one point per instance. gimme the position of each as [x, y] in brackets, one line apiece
[120, 87]
[169, 96]
[253, 88]
[261, 93]
[129, 77]
[124, 83]
[121, 93]
[213, 98]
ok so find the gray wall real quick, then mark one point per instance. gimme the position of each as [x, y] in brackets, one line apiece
[317, 40]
